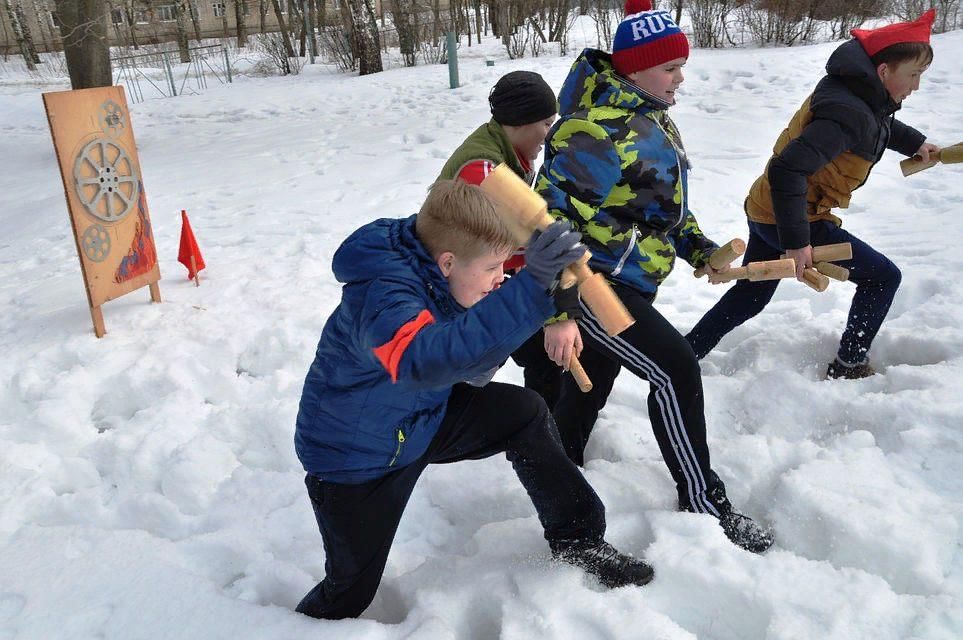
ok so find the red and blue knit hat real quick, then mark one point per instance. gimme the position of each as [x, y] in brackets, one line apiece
[646, 38]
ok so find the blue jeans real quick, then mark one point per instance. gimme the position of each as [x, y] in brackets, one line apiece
[875, 276]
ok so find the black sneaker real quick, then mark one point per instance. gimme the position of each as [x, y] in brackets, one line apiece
[839, 369]
[741, 530]
[744, 532]
[602, 560]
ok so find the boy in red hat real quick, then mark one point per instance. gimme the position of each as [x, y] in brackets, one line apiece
[824, 154]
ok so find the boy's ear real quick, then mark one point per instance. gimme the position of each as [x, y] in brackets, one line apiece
[883, 70]
[445, 260]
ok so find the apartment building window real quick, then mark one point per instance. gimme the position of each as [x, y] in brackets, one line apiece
[166, 13]
[219, 9]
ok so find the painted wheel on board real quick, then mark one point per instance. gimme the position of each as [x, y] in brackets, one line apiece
[95, 242]
[112, 120]
[106, 180]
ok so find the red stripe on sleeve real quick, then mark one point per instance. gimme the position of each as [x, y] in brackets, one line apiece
[389, 354]
[476, 171]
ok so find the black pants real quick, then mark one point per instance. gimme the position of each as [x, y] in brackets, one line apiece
[542, 376]
[875, 276]
[358, 521]
[654, 351]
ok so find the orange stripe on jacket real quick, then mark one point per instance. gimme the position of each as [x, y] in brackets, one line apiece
[389, 354]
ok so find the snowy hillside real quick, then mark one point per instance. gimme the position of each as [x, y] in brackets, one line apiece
[148, 482]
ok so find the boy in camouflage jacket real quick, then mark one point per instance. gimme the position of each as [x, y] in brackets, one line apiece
[616, 169]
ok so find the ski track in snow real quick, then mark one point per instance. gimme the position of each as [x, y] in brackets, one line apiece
[148, 480]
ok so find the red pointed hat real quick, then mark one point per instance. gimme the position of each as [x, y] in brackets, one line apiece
[875, 40]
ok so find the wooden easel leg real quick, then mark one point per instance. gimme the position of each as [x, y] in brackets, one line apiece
[98, 317]
[154, 292]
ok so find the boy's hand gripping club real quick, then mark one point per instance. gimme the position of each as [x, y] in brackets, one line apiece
[723, 256]
[946, 155]
[524, 211]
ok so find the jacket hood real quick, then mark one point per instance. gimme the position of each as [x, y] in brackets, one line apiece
[593, 82]
[851, 64]
[386, 248]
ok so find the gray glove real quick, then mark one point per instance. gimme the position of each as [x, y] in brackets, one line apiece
[551, 251]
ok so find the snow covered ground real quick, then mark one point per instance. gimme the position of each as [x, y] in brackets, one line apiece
[148, 482]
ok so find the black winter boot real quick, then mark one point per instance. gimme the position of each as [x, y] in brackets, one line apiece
[742, 530]
[839, 369]
[602, 560]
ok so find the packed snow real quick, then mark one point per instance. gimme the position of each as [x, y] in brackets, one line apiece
[148, 482]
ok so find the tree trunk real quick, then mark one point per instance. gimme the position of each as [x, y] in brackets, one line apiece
[478, 20]
[129, 17]
[180, 21]
[40, 14]
[262, 8]
[320, 12]
[27, 34]
[312, 20]
[195, 20]
[365, 34]
[401, 16]
[224, 25]
[239, 21]
[14, 20]
[282, 27]
[678, 11]
[84, 33]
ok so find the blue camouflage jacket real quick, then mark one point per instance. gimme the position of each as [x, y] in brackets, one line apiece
[393, 348]
[616, 168]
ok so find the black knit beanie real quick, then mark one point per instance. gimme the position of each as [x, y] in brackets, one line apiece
[522, 97]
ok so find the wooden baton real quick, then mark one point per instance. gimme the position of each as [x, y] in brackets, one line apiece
[814, 280]
[756, 271]
[723, 256]
[834, 271]
[524, 211]
[581, 378]
[947, 155]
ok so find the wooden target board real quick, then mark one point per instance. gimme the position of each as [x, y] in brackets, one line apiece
[95, 147]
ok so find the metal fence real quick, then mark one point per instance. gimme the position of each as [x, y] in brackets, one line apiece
[160, 74]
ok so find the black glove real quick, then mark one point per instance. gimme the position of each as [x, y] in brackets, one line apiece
[550, 252]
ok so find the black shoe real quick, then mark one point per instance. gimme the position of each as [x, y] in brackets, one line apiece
[838, 369]
[744, 532]
[741, 530]
[602, 560]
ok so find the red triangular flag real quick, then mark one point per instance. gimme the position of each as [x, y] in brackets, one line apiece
[189, 248]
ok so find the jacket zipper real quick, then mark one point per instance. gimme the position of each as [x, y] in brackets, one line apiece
[625, 256]
[401, 441]
[678, 163]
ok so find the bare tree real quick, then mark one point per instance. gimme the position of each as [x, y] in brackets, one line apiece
[401, 15]
[283, 28]
[84, 32]
[180, 26]
[364, 31]
[195, 20]
[19, 29]
[240, 7]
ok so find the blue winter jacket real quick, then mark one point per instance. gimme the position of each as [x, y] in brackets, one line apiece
[357, 423]
[616, 169]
